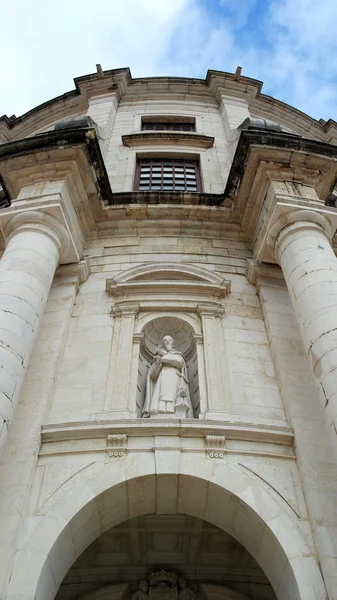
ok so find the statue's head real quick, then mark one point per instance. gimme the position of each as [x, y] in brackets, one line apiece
[143, 586]
[167, 342]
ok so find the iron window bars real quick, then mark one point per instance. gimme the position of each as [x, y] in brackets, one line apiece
[167, 126]
[167, 174]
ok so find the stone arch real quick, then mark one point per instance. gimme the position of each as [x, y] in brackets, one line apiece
[105, 494]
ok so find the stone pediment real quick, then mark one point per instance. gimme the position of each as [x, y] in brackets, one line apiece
[177, 278]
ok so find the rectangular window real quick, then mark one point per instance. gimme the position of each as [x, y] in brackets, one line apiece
[167, 126]
[167, 174]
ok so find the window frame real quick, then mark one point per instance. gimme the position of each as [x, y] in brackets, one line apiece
[174, 126]
[161, 159]
[169, 119]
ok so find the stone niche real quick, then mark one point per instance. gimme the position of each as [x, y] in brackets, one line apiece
[182, 301]
[184, 343]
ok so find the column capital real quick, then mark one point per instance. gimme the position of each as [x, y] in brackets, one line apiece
[282, 215]
[46, 206]
[210, 310]
[259, 273]
[35, 220]
[125, 310]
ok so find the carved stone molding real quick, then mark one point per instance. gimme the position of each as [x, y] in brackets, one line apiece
[150, 138]
[47, 204]
[116, 445]
[190, 427]
[210, 310]
[153, 279]
[259, 273]
[72, 273]
[215, 445]
[124, 310]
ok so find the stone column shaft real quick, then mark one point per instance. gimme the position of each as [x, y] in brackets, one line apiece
[309, 266]
[27, 268]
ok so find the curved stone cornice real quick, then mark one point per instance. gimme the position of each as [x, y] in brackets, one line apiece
[173, 270]
[118, 82]
[174, 138]
[40, 222]
[154, 278]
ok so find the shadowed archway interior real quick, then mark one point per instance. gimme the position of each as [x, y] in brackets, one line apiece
[204, 554]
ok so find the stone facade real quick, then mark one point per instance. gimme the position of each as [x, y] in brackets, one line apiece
[203, 466]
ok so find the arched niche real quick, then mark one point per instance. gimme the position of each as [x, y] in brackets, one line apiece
[146, 292]
[184, 341]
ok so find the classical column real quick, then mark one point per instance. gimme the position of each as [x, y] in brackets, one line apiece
[35, 242]
[302, 245]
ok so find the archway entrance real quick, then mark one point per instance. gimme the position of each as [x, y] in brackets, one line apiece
[106, 494]
[213, 564]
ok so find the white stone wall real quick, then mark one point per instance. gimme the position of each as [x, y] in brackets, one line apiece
[242, 470]
[252, 389]
[214, 162]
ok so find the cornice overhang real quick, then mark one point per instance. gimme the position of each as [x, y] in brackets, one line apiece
[189, 199]
[113, 81]
[151, 138]
[52, 149]
[119, 82]
[262, 156]
[187, 427]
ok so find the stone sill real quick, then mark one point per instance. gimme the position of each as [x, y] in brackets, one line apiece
[163, 427]
[174, 198]
[195, 140]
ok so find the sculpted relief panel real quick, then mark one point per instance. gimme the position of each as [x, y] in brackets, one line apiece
[164, 585]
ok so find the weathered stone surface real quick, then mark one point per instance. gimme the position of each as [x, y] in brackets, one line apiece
[81, 469]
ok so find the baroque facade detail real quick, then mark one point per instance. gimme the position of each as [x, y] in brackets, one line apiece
[168, 344]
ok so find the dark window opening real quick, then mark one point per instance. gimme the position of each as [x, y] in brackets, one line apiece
[167, 126]
[167, 174]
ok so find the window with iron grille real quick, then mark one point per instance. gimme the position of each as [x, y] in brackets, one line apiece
[167, 126]
[167, 174]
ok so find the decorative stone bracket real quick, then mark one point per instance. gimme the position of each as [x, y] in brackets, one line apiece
[116, 445]
[215, 446]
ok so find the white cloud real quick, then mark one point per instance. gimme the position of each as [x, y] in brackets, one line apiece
[53, 42]
[289, 45]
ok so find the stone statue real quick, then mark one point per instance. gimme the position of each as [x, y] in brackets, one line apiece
[185, 592]
[167, 390]
[141, 594]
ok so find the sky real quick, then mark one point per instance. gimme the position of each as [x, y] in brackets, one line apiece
[290, 45]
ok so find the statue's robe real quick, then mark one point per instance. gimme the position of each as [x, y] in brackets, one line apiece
[167, 386]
